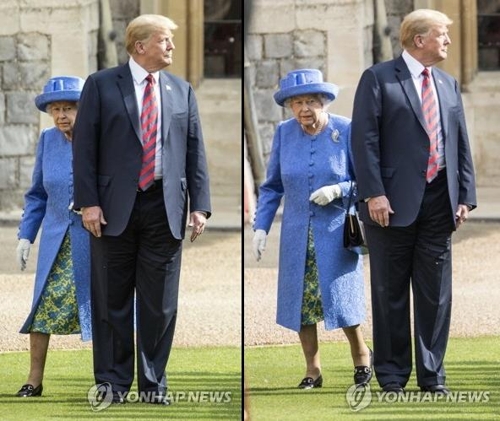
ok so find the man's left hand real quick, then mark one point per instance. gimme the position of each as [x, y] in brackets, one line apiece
[461, 215]
[197, 221]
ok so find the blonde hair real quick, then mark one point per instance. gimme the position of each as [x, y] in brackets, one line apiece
[142, 27]
[420, 22]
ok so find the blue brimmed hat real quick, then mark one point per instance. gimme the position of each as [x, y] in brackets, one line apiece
[60, 88]
[304, 82]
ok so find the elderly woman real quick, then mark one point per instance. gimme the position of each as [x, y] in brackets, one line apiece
[318, 278]
[61, 299]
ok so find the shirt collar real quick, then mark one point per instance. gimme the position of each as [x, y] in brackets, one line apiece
[414, 66]
[139, 73]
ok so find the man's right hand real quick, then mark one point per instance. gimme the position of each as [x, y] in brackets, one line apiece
[92, 218]
[380, 209]
[259, 243]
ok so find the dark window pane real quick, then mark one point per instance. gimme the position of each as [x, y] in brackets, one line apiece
[223, 38]
[488, 24]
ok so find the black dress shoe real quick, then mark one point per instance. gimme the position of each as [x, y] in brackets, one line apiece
[438, 389]
[156, 398]
[28, 390]
[362, 373]
[393, 387]
[118, 399]
[161, 401]
[310, 383]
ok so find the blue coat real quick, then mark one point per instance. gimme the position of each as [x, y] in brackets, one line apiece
[47, 204]
[300, 164]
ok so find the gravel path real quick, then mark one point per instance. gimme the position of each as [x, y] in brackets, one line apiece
[209, 298]
[210, 293]
[476, 288]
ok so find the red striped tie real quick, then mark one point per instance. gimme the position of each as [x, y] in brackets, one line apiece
[149, 125]
[429, 108]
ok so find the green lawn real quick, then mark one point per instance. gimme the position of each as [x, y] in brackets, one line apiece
[198, 377]
[272, 374]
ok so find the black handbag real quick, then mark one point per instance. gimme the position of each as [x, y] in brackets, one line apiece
[354, 236]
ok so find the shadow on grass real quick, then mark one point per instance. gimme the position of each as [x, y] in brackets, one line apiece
[212, 392]
[472, 375]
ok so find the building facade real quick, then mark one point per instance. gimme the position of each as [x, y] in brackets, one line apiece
[44, 38]
[339, 37]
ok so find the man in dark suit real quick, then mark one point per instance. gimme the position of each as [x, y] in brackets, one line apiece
[138, 159]
[416, 186]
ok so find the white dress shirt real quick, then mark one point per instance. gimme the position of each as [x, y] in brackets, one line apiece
[416, 69]
[139, 75]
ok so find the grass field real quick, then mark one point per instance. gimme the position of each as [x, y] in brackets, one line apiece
[273, 373]
[205, 381]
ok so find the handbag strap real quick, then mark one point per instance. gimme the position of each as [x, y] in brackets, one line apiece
[351, 190]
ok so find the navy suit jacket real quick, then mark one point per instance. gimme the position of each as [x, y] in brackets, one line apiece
[391, 147]
[107, 149]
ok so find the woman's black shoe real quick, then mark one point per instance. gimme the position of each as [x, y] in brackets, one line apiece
[362, 373]
[28, 390]
[309, 383]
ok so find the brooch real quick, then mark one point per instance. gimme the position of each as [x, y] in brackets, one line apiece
[335, 136]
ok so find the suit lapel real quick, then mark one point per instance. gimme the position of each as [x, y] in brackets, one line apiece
[444, 103]
[166, 92]
[126, 86]
[404, 77]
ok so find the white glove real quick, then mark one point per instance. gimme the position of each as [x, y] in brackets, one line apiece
[259, 243]
[23, 252]
[326, 194]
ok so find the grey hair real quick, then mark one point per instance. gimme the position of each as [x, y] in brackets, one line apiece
[324, 99]
[48, 108]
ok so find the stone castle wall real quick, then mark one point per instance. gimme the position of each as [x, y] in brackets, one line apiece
[333, 36]
[38, 39]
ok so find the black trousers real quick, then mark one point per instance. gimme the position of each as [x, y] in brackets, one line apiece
[418, 255]
[145, 259]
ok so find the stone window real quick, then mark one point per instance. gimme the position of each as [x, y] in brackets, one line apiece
[223, 38]
[488, 23]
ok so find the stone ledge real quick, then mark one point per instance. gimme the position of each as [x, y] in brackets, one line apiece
[487, 82]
